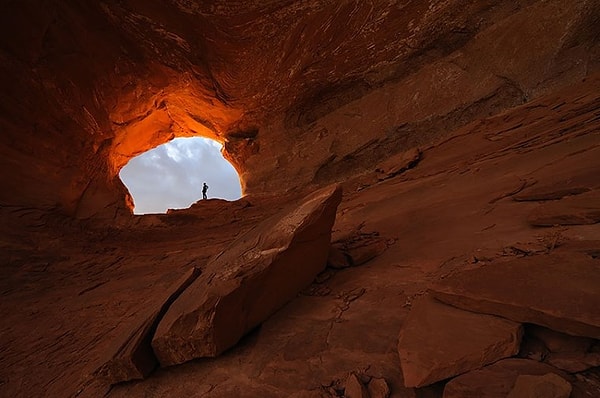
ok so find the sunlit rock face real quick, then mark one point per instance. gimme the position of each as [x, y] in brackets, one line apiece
[313, 89]
[171, 176]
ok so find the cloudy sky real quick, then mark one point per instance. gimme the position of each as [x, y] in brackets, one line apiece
[170, 176]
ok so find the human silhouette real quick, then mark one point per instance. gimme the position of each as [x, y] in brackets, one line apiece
[204, 189]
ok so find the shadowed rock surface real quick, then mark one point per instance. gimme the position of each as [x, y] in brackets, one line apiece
[134, 357]
[496, 380]
[444, 121]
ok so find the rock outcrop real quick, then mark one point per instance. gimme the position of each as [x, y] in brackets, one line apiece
[433, 116]
[242, 286]
[573, 210]
[520, 290]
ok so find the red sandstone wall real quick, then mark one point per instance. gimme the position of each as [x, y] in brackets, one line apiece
[301, 92]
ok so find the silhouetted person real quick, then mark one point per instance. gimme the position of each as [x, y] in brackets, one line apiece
[204, 189]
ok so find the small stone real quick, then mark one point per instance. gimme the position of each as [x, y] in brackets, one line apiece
[354, 388]
[360, 254]
[399, 163]
[360, 247]
[378, 388]
[338, 259]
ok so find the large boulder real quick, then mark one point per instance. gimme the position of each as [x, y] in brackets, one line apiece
[559, 291]
[246, 283]
[438, 341]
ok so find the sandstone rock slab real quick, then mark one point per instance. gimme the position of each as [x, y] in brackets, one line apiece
[579, 181]
[257, 274]
[573, 210]
[378, 388]
[399, 163]
[496, 380]
[438, 341]
[133, 356]
[547, 386]
[559, 291]
[359, 248]
[338, 259]
[354, 388]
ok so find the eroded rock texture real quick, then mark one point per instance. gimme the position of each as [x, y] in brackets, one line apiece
[246, 283]
[559, 292]
[454, 127]
[318, 88]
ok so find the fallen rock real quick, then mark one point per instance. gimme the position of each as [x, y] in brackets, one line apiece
[133, 356]
[242, 286]
[559, 291]
[361, 247]
[398, 163]
[496, 380]
[366, 251]
[546, 386]
[338, 259]
[573, 210]
[378, 388]
[438, 341]
[354, 388]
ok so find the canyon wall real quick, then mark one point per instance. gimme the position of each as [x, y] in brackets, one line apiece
[299, 92]
[463, 135]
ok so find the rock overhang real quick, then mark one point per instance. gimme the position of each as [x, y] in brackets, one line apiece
[267, 79]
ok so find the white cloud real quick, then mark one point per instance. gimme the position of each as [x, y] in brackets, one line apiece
[170, 176]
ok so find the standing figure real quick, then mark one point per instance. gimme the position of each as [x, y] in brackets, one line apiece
[204, 190]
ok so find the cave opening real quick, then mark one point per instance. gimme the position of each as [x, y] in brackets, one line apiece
[171, 175]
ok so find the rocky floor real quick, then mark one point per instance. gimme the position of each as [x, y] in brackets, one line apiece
[474, 199]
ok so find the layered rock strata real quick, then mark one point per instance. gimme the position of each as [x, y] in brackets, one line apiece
[557, 291]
